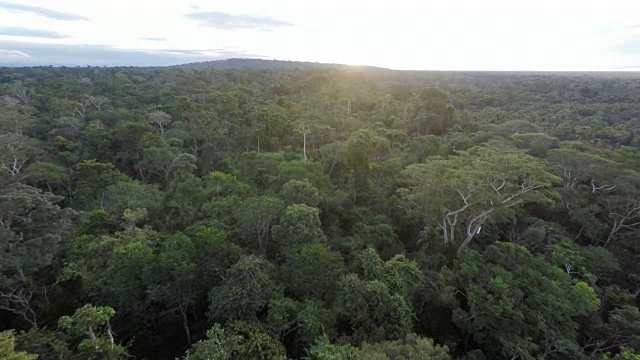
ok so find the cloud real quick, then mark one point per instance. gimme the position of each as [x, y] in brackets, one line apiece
[52, 14]
[627, 67]
[103, 55]
[218, 53]
[224, 21]
[24, 32]
[153, 38]
[630, 46]
[12, 55]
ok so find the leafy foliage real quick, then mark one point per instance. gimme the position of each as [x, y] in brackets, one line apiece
[272, 210]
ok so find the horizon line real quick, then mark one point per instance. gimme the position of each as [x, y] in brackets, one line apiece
[23, 65]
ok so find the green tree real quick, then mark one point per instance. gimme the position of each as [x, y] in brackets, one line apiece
[17, 148]
[363, 147]
[517, 304]
[258, 169]
[312, 271]
[300, 192]
[412, 347]
[245, 292]
[48, 176]
[89, 182]
[165, 162]
[173, 282]
[324, 350]
[131, 194]
[238, 341]
[299, 225]
[7, 348]
[90, 326]
[33, 229]
[299, 323]
[625, 354]
[431, 113]
[458, 195]
[255, 217]
[160, 119]
[371, 311]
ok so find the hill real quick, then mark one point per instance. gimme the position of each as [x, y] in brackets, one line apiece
[263, 64]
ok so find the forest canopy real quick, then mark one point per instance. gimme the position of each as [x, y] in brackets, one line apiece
[318, 212]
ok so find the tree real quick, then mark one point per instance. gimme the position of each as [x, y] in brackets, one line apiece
[7, 348]
[33, 229]
[49, 176]
[362, 147]
[324, 350]
[80, 107]
[538, 143]
[18, 90]
[516, 304]
[219, 345]
[17, 150]
[258, 169]
[431, 113]
[97, 142]
[222, 184]
[625, 354]
[299, 323]
[90, 181]
[601, 197]
[301, 171]
[99, 101]
[91, 326]
[268, 122]
[620, 331]
[255, 217]
[166, 161]
[460, 194]
[160, 119]
[300, 192]
[621, 205]
[17, 146]
[304, 128]
[131, 194]
[238, 341]
[246, 290]
[299, 225]
[129, 144]
[173, 279]
[371, 312]
[313, 271]
[412, 347]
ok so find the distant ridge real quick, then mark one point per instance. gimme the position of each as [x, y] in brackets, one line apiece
[263, 64]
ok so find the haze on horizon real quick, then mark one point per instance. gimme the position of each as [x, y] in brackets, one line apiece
[401, 34]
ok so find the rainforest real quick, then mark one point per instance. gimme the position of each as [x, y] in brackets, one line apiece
[253, 209]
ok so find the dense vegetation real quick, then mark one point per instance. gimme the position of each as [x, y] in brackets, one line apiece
[318, 213]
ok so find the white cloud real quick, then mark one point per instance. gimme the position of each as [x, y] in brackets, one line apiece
[52, 14]
[401, 34]
[95, 55]
[224, 21]
[34, 33]
[13, 55]
[154, 38]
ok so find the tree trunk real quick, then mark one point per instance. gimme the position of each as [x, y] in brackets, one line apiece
[304, 145]
[185, 324]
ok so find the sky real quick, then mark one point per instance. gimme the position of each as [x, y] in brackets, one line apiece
[545, 35]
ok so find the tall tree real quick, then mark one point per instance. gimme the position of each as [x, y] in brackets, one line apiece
[459, 194]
